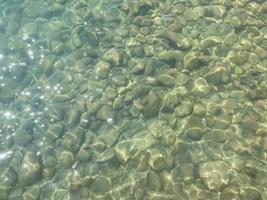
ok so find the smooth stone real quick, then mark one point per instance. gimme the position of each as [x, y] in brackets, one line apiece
[66, 159]
[100, 185]
[195, 122]
[139, 194]
[56, 112]
[123, 151]
[199, 110]
[181, 79]
[89, 37]
[57, 47]
[137, 51]
[231, 39]
[109, 136]
[257, 94]
[249, 125]
[22, 137]
[239, 58]
[215, 11]
[114, 56]
[210, 42]
[264, 143]
[261, 52]
[48, 173]
[196, 133]
[73, 139]
[219, 135]
[85, 121]
[151, 65]
[168, 182]
[29, 29]
[230, 193]
[8, 178]
[105, 113]
[252, 167]
[32, 193]
[48, 159]
[102, 69]
[193, 61]
[119, 103]
[60, 193]
[152, 103]
[201, 87]
[166, 80]
[218, 76]
[94, 106]
[7, 93]
[111, 93]
[184, 109]
[54, 131]
[169, 137]
[169, 103]
[169, 55]
[73, 180]
[188, 173]
[181, 41]
[170, 118]
[106, 156]
[138, 68]
[250, 192]
[73, 117]
[30, 170]
[216, 123]
[154, 181]
[63, 97]
[214, 174]
[193, 14]
[119, 79]
[231, 106]
[157, 161]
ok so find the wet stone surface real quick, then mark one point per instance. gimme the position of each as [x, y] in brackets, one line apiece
[141, 100]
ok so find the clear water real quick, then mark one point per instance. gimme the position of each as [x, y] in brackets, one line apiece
[133, 99]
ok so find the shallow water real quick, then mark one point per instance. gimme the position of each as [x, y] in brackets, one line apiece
[145, 100]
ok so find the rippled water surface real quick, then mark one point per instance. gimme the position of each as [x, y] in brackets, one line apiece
[133, 100]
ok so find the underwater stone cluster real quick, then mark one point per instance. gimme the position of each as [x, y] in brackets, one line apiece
[140, 100]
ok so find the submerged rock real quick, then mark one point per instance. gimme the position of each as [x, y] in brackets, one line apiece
[66, 159]
[123, 151]
[179, 39]
[157, 160]
[32, 193]
[184, 109]
[201, 87]
[194, 60]
[102, 69]
[100, 185]
[30, 170]
[214, 174]
[166, 80]
[170, 101]
[152, 103]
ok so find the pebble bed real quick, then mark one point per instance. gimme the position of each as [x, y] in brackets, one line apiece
[133, 100]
